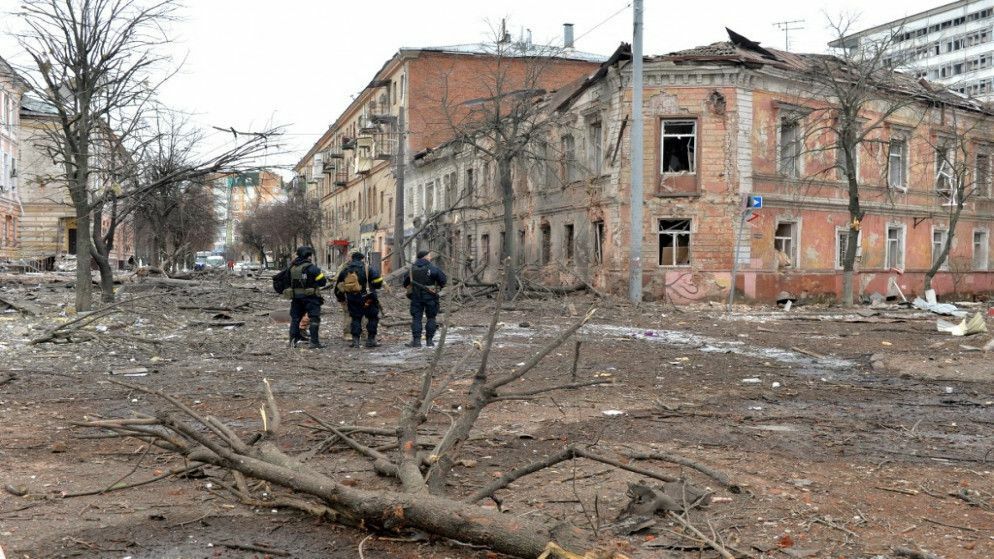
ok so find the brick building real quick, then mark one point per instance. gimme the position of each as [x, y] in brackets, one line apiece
[723, 122]
[12, 87]
[350, 169]
[236, 197]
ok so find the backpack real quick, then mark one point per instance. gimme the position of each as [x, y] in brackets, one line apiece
[281, 281]
[351, 283]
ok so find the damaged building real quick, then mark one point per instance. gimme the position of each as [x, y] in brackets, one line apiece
[723, 123]
[351, 169]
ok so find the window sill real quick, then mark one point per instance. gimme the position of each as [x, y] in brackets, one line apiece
[673, 266]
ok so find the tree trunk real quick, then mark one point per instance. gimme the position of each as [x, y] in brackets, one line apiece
[84, 279]
[509, 250]
[944, 255]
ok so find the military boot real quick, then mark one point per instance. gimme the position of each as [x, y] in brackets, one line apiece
[355, 341]
[371, 341]
[314, 331]
[429, 342]
[415, 342]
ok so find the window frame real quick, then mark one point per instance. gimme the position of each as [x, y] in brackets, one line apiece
[944, 231]
[795, 240]
[903, 139]
[987, 250]
[595, 148]
[599, 233]
[838, 246]
[795, 117]
[661, 138]
[545, 248]
[985, 152]
[902, 240]
[571, 167]
[660, 232]
[569, 242]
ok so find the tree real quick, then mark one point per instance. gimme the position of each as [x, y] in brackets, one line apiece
[956, 180]
[508, 125]
[281, 227]
[98, 65]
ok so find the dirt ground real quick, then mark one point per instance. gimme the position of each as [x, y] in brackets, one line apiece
[852, 435]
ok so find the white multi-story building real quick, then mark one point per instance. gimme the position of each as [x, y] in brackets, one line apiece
[952, 44]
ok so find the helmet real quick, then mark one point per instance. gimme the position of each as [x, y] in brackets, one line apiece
[358, 256]
[305, 252]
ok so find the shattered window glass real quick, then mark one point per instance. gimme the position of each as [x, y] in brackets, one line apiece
[679, 145]
[674, 242]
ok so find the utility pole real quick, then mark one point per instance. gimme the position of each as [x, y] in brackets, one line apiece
[635, 247]
[397, 256]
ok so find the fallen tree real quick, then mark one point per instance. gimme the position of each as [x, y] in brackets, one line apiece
[419, 463]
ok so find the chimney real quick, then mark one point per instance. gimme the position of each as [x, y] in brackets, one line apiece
[568, 35]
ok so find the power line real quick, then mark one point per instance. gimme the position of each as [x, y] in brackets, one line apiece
[609, 18]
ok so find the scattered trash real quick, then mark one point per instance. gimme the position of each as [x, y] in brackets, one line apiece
[613, 413]
[949, 390]
[776, 385]
[787, 305]
[975, 325]
[885, 343]
[756, 408]
[751, 380]
[989, 346]
[134, 371]
[936, 307]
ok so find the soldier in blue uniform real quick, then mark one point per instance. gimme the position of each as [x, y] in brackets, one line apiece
[423, 283]
[306, 281]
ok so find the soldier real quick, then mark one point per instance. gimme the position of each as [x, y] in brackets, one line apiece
[306, 281]
[340, 297]
[359, 283]
[423, 283]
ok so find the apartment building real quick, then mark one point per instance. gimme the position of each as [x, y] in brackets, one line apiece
[12, 88]
[952, 44]
[236, 196]
[722, 123]
[48, 222]
[351, 168]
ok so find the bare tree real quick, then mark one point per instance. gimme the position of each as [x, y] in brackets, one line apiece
[98, 64]
[849, 97]
[961, 171]
[509, 124]
[281, 227]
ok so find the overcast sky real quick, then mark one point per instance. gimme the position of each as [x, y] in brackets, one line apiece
[298, 63]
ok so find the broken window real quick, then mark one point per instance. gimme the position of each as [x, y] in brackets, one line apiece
[945, 175]
[981, 244]
[679, 145]
[598, 227]
[546, 244]
[790, 145]
[430, 197]
[485, 249]
[568, 242]
[895, 247]
[982, 175]
[571, 170]
[595, 156]
[842, 244]
[939, 237]
[785, 244]
[897, 164]
[470, 253]
[674, 242]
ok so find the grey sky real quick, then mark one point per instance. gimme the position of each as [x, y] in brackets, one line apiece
[298, 62]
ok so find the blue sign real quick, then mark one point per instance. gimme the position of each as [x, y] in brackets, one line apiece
[755, 202]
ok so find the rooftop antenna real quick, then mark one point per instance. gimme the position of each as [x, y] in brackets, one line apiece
[787, 27]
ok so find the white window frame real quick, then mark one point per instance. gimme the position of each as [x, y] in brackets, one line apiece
[674, 232]
[902, 239]
[692, 161]
[945, 168]
[944, 236]
[795, 240]
[903, 186]
[987, 244]
[838, 252]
